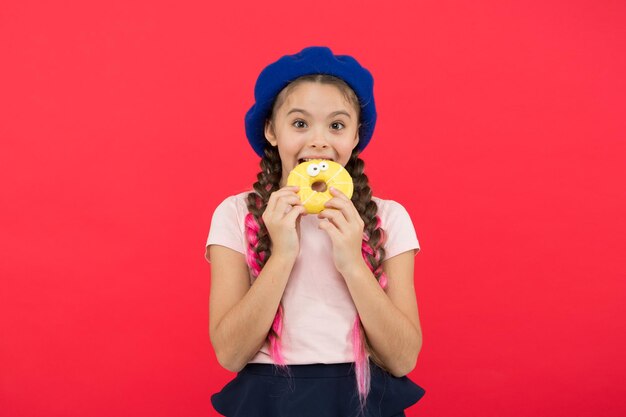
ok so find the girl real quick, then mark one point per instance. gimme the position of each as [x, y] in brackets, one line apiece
[316, 313]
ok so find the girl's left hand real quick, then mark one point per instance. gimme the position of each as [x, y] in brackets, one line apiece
[344, 225]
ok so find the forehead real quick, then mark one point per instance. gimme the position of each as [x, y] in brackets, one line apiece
[311, 94]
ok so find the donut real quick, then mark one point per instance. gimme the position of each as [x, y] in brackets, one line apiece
[324, 171]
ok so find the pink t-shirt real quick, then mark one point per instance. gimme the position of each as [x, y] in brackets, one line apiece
[318, 310]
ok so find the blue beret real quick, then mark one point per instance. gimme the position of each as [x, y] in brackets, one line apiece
[311, 60]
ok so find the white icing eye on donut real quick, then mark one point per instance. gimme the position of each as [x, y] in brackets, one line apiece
[314, 169]
[324, 166]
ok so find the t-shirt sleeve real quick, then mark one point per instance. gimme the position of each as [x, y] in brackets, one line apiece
[401, 235]
[227, 227]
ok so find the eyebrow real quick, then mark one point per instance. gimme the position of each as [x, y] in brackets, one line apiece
[333, 114]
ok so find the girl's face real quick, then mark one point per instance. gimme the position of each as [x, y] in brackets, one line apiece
[314, 121]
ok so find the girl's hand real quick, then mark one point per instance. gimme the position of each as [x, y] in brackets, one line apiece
[282, 220]
[344, 225]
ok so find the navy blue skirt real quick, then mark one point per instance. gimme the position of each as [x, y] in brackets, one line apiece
[317, 390]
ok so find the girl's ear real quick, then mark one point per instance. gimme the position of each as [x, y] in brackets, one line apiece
[356, 140]
[269, 133]
[356, 137]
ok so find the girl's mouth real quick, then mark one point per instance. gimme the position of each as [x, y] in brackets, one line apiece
[301, 160]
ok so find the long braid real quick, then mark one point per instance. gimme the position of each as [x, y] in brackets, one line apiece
[259, 250]
[259, 244]
[373, 253]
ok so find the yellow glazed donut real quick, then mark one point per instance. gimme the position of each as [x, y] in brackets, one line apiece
[319, 170]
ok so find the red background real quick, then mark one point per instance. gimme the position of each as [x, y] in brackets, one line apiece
[501, 129]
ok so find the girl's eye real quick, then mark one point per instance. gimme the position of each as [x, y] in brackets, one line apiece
[299, 123]
[335, 124]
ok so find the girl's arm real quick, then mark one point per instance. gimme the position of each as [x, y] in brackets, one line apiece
[240, 314]
[390, 320]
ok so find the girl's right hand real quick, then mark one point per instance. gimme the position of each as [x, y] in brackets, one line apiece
[282, 220]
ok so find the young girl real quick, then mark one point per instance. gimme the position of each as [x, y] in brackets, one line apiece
[316, 313]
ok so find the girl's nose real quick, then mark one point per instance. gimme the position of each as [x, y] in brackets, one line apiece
[318, 140]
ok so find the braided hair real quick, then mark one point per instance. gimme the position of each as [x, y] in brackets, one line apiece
[258, 250]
